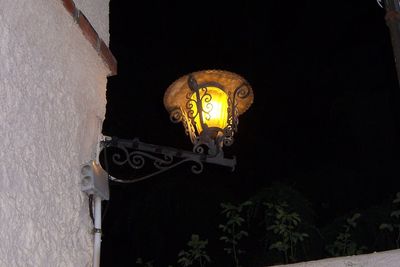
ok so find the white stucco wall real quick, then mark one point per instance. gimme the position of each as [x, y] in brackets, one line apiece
[389, 258]
[97, 12]
[52, 100]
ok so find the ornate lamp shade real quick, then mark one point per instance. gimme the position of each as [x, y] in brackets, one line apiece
[209, 103]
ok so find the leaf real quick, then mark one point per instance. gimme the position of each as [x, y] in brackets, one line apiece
[224, 238]
[395, 214]
[299, 236]
[351, 221]
[386, 226]
[223, 227]
[207, 258]
[248, 203]
[397, 199]
[226, 205]
[244, 233]
[195, 237]
[276, 245]
[228, 250]
[280, 246]
[181, 253]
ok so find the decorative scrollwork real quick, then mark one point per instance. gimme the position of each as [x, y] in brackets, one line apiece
[233, 119]
[197, 167]
[159, 163]
[192, 83]
[242, 91]
[185, 124]
[189, 128]
[205, 103]
[176, 115]
[192, 113]
[139, 155]
[231, 114]
[193, 110]
[228, 135]
[137, 159]
[134, 160]
[201, 103]
[197, 148]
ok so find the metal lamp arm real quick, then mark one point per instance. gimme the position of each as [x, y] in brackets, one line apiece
[136, 154]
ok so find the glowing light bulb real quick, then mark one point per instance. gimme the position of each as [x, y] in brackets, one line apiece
[214, 103]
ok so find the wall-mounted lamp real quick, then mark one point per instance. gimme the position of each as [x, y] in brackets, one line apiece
[208, 103]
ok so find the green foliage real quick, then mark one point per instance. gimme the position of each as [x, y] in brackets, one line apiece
[344, 245]
[140, 262]
[233, 228]
[283, 220]
[195, 254]
[285, 226]
[279, 193]
[394, 225]
[277, 226]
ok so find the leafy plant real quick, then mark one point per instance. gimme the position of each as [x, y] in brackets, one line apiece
[195, 253]
[285, 225]
[394, 225]
[261, 217]
[344, 245]
[232, 229]
[142, 263]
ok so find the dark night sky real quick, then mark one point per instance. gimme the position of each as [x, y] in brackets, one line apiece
[325, 118]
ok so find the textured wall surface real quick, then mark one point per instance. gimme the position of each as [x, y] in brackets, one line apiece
[390, 258]
[97, 12]
[52, 101]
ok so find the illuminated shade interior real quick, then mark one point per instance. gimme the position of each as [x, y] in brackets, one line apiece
[214, 102]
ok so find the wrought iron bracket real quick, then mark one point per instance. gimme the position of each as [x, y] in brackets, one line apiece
[137, 154]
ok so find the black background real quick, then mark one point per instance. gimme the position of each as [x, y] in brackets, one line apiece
[325, 118]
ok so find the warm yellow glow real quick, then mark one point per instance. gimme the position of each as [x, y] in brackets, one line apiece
[214, 102]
